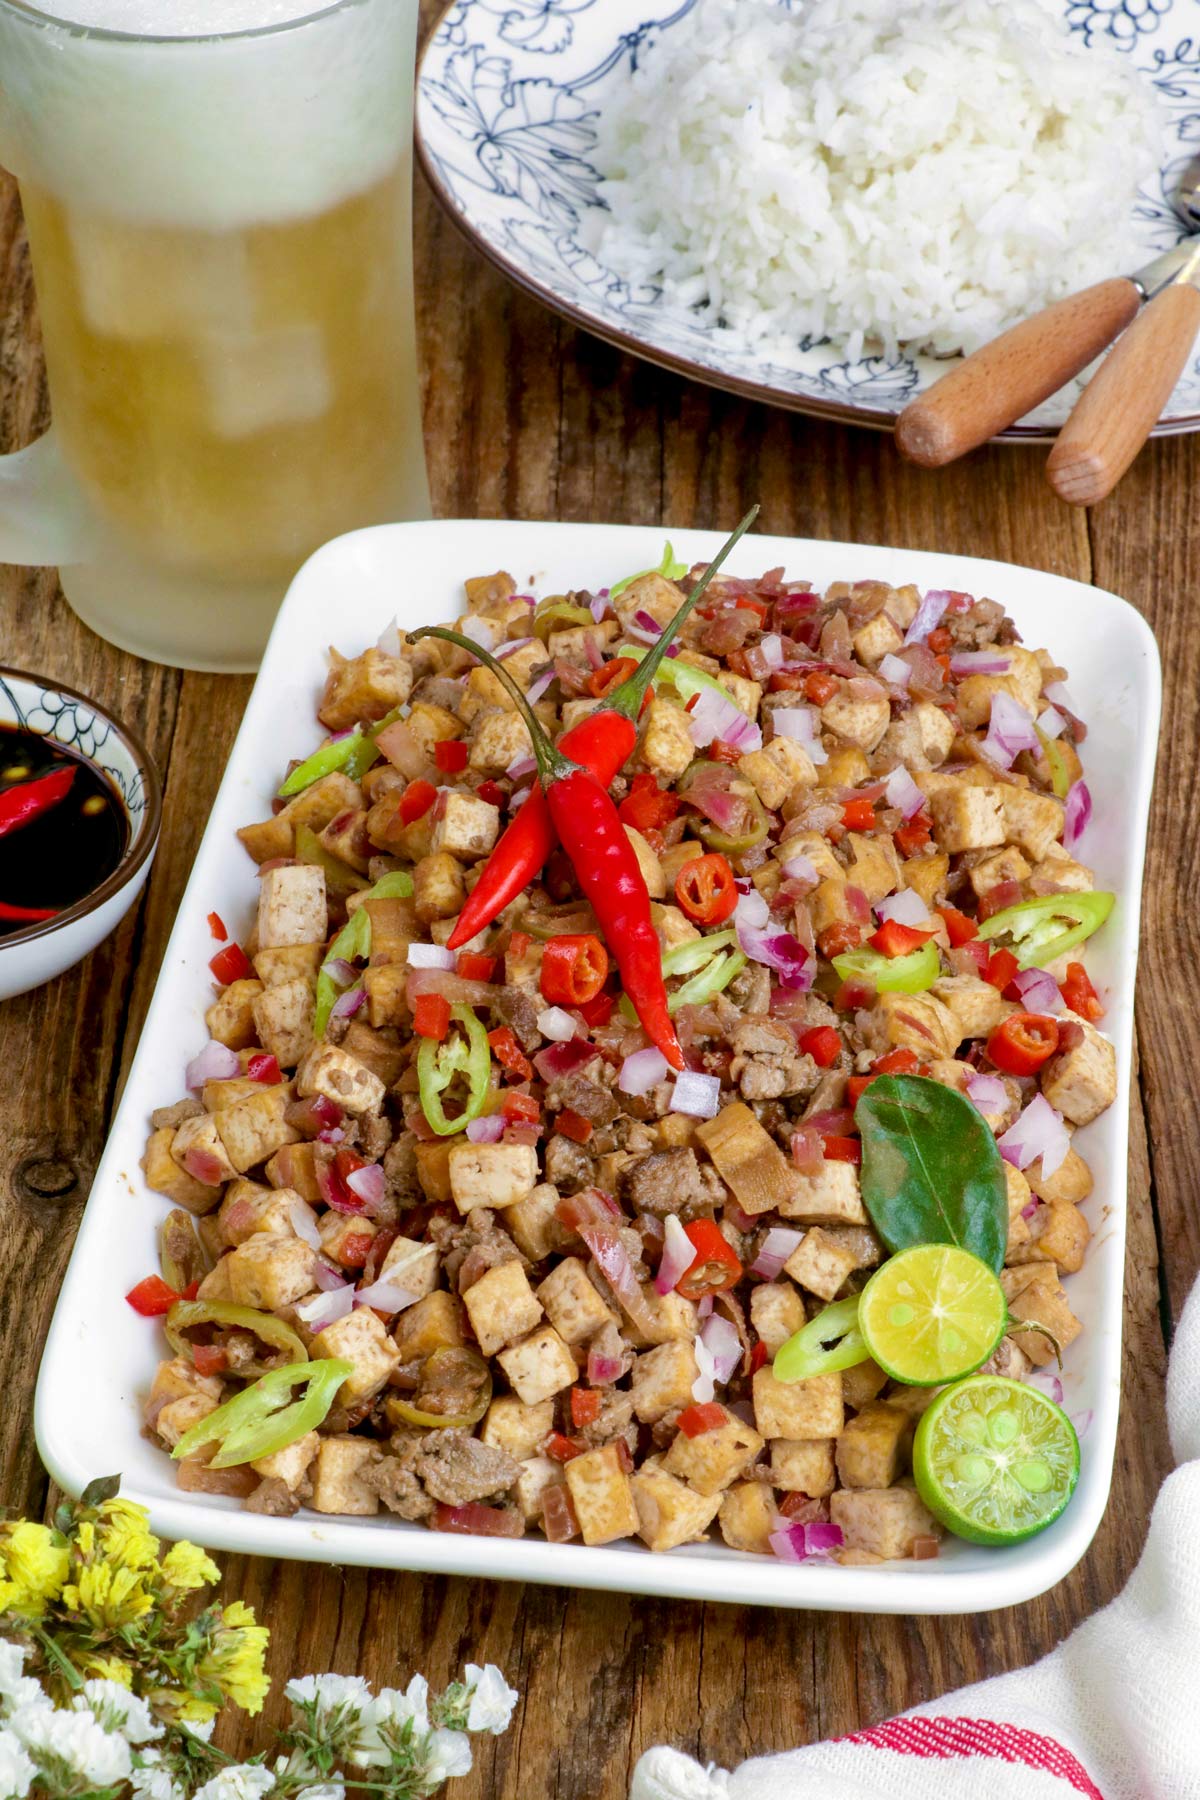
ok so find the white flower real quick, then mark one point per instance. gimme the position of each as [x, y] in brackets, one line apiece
[16, 1770]
[390, 1707]
[330, 1692]
[492, 1700]
[97, 1756]
[329, 1790]
[199, 1728]
[244, 1781]
[152, 1781]
[119, 1710]
[19, 1693]
[12, 1666]
[449, 1755]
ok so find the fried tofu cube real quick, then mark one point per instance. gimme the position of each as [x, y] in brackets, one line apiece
[535, 1226]
[1031, 821]
[337, 1476]
[230, 1018]
[412, 1266]
[572, 1304]
[363, 688]
[917, 1022]
[1081, 1082]
[819, 1264]
[468, 827]
[1035, 1295]
[874, 865]
[747, 1517]
[249, 1206]
[439, 891]
[1023, 680]
[1072, 1180]
[537, 1474]
[331, 1071]
[434, 1323]
[803, 1466]
[499, 739]
[669, 1512]
[860, 721]
[1056, 1233]
[269, 1272]
[714, 1459]
[862, 1384]
[967, 818]
[937, 731]
[776, 1313]
[315, 807]
[667, 744]
[648, 863]
[663, 1378]
[215, 1285]
[492, 1175]
[1003, 865]
[1062, 869]
[829, 905]
[834, 1194]
[882, 1521]
[650, 593]
[360, 1338]
[284, 962]
[521, 1430]
[746, 1158]
[178, 1416]
[177, 1378]
[387, 995]
[346, 1238]
[294, 1166]
[433, 1170]
[976, 1004]
[197, 1148]
[539, 1366]
[488, 594]
[283, 1018]
[668, 1317]
[745, 694]
[1019, 1196]
[926, 875]
[673, 927]
[601, 1495]
[798, 1409]
[254, 1128]
[291, 1464]
[291, 906]
[876, 639]
[501, 1306]
[870, 1451]
[778, 770]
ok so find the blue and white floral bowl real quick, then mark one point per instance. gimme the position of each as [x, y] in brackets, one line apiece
[508, 97]
[40, 952]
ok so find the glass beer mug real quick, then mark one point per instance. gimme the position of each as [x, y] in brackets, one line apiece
[220, 228]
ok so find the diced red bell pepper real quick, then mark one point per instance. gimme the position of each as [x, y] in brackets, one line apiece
[508, 1053]
[574, 1126]
[835, 940]
[209, 1359]
[823, 1044]
[265, 1068]
[492, 792]
[472, 965]
[744, 603]
[959, 928]
[858, 815]
[913, 836]
[894, 939]
[939, 640]
[694, 1421]
[519, 942]
[897, 1062]
[1079, 994]
[416, 801]
[563, 1449]
[216, 925]
[585, 1406]
[820, 688]
[724, 753]
[1001, 968]
[231, 964]
[355, 1248]
[598, 1011]
[431, 1016]
[602, 681]
[843, 1149]
[152, 1297]
[520, 1108]
[647, 807]
[191, 1290]
[759, 1357]
[450, 755]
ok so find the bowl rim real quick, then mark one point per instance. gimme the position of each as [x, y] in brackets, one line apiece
[142, 841]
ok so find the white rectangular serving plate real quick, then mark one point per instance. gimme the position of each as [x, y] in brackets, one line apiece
[100, 1355]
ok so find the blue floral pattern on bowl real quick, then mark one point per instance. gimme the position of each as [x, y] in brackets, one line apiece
[71, 722]
[508, 98]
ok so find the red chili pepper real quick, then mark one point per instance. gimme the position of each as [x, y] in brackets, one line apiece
[415, 802]
[604, 681]
[22, 804]
[913, 836]
[843, 1149]
[823, 1044]
[231, 964]
[959, 928]
[647, 807]
[152, 1297]
[492, 792]
[573, 1125]
[602, 744]
[894, 939]
[716, 1265]
[1023, 1042]
[1001, 968]
[27, 915]
[472, 965]
[858, 815]
[585, 1406]
[1079, 994]
[574, 969]
[509, 1054]
[265, 1068]
[706, 890]
[563, 1448]
[431, 1016]
[216, 925]
[598, 1011]
[694, 1421]
[209, 1359]
[450, 755]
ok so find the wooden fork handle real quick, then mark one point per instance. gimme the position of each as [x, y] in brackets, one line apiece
[1121, 404]
[1014, 373]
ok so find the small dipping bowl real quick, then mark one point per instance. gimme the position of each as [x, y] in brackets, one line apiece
[36, 953]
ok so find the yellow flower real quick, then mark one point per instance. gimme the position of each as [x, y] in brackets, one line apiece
[103, 1668]
[111, 1597]
[36, 1563]
[234, 1660]
[124, 1539]
[172, 1704]
[186, 1567]
[85, 1540]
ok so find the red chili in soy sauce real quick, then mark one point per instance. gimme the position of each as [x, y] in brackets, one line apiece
[63, 829]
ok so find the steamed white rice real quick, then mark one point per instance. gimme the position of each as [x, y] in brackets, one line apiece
[917, 173]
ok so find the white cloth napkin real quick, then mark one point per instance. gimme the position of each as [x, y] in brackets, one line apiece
[1113, 1713]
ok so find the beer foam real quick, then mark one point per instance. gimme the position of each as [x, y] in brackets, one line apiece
[211, 133]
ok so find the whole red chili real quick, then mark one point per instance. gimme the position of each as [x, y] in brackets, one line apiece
[27, 801]
[602, 744]
[27, 915]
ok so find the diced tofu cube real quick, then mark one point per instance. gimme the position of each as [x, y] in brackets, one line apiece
[291, 906]
[434, 1323]
[363, 688]
[926, 875]
[537, 1474]
[521, 1430]
[747, 1159]
[468, 827]
[269, 1272]
[833, 1194]
[230, 1018]
[877, 638]
[747, 1517]
[602, 1496]
[534, 1225]
[667, 1318]
[672, 926]
[967, 818]
[295, 1167]
[862, 1384]
[714, 1459]
[572, 1304]
[882, 1521]
[857, 718]
[1032, 821]
[667, 745]
[360, 1338]
[251, 1206]
[291, 1464]
[870, 1451]
[285, 961]
[778, 770]
[917, 1022]
[1056, 1233]
[346, 1238]
[976, 1004]
[315, 807]
[798, 1409]
[803, 1466]
[283, 1018]
[439, 891]
[178, 1377]
[1067, 875]
[197, 1147]
[433, 1170]
[412, 1266]
[1072, 1180]
[329, 1070]
[776, 1313]
[651, 593]
[501, 1306]
[663, 1378]
[811, 844]
[819, 1264]
[500, 738]
[254, 1128]
[572, 644]
[387, 995]
[338, 1484]
[1081, 1082]
[669, 1512]
[215, 1285]
[648, 863]
[1023, 681]
[178, 1416]
[492, 1175]
[937, 731]
[874, 865]
[539, 1366]
[1003, 865]
[1035, 1295]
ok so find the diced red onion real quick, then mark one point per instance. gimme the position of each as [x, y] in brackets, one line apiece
[679, 1253]
[980, 662]
[1039, 991]
[777, 950]
[704, 1386]
[902, 791]
[387, 1296]
[598, 606]
[898, 673]
[539, 684]
[771, 650]
[1049, 1384]
[602, 1369]
[523, 765]
[1028, 1210]
[304, 1223]
[488, 1130]
[326, 1309]
[697, 1095]
[704, 1306]
[774, 1251]
[480, 631]
[340, 971]
[642, 1071]
[713, 717]
[987, 1092]
[800, 1541]
[801, 868]
[205, 1165]
[906, 908]
[347, 1004]
[557, 1025]
[518, 798]
[512, 645]
[857, 904]
[928, 616]
[723, 1344]
[593, 651]
[326, 1277]
[1010, 730]
[1077, 813]
[368, 1184]
[612, 1260]
[1056, 693]
[808, 1150]
[430, 956]
[1082, 1421]
[1038, 1132]
[563, 1058]
[794, 722]
[216, 1062]
[1051, 723]
[389, 640]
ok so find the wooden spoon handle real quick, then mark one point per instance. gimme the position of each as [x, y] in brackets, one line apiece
[1121, 404]
[1013, 374]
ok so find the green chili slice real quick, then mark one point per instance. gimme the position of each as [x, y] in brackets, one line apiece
[709, 982]
[830, 1342]
[353, 942]
[1049, 926]
[668, 567]
[910, 974]
[323, 761]
[266, 1327]
[261, 1419]
[1056, 762]
[366, 752]
[453, 1370]
[702, 959]
[438, 1064]
[558, 615]
[696, 953]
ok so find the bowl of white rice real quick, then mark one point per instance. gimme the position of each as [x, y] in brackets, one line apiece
[818, 203]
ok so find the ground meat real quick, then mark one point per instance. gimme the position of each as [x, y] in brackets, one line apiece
[173, 1116]
[400, 1167]
[399, 1489]
[517, 1009]
[568, 1166]
[273, 1497]
[584, 1093]
[630, 1134]
[456, 1468]
[477, 1236]
[438, 690]
[751, 990]
[376, 1136]
[241, 1349]
[766, 1063]
[664, 1431]
[665, 1182]
[976, 629]
[715, 1193]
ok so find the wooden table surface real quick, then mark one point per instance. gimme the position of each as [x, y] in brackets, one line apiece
[527, 418]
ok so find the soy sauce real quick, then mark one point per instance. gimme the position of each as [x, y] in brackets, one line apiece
[67, 851]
